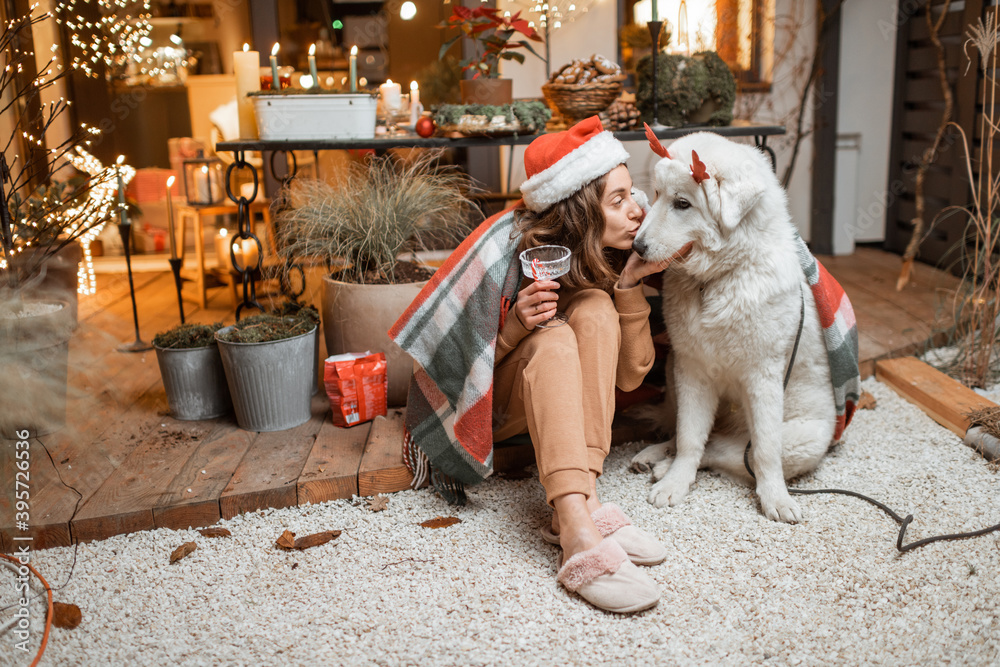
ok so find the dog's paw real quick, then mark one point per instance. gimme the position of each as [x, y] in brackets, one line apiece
[661, 468]
[650, 456]
[669, 491]
[781, 507]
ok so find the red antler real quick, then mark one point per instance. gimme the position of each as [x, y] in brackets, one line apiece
[698, 172]
[654, 143]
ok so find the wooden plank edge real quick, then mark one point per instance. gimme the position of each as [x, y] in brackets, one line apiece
[946, 410]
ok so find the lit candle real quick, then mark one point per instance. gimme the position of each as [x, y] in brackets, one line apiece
[246, 67]
[204, 186]
[416, 108]
[655, 14]
[312, 66]
[392, 95]
[237, 253]
[170, 219]
[275, 84]
[222, 249]
[354, 68]
[249, 253]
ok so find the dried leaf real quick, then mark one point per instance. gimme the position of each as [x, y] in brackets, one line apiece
[66, 616]
[182, 551]
[378, 503]
[866, 402]
[316, 539]
[215, 532]
[286, 541]
[441, 522]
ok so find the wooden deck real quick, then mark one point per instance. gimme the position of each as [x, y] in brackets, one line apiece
[133, 467]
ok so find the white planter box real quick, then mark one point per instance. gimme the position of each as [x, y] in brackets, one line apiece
[284, 117]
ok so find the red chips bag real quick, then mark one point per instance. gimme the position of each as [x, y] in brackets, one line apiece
[357, 386]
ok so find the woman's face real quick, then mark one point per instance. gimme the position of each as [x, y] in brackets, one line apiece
[622, 215]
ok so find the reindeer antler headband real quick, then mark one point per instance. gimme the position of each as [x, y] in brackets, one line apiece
[698, 171]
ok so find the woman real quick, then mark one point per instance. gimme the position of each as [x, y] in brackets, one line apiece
[557, 384]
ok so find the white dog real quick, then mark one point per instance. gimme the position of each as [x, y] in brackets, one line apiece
[733, 299]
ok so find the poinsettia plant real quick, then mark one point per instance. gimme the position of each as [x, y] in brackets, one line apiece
[493, 33]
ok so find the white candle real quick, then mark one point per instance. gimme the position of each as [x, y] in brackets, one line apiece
[246, 66]
[203, 186]
[312, 66]
[222, 249]
[237, 250]
[170, 219]
[249, 253]
[275, 84]
[354, 68]
[122, 212]
[416, 108]
[392, 95]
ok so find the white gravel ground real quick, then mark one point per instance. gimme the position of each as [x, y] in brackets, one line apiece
[737, 589]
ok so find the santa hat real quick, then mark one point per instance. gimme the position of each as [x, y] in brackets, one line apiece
[559, 164]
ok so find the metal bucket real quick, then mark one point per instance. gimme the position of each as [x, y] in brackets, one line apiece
[271, 383]
[195, 382]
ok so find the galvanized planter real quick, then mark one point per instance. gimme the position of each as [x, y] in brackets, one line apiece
[271, 383]
[195, 382]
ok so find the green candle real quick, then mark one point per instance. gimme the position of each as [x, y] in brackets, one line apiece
[275, 84]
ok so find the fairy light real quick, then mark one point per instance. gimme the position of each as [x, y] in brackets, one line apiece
[104, 203]
[116, 39]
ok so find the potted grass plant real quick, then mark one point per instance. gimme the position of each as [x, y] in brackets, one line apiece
[270, 366]
[380, 213]
[42, 214]
[191, 370]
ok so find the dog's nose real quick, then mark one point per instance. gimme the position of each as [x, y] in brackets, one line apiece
[639, 247]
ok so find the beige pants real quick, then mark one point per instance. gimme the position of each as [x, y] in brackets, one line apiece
[558, 385]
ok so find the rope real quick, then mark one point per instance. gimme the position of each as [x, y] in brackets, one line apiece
[904, 522]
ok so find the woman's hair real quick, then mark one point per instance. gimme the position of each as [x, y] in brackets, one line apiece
[576, 222]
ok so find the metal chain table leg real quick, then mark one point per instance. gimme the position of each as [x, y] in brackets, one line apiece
[244, 220]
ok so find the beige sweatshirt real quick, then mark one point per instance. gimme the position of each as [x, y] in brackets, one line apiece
[635, 357]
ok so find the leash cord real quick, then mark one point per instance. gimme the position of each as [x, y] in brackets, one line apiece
[904, 523]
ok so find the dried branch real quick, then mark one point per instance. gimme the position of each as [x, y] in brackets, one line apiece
[930, 153]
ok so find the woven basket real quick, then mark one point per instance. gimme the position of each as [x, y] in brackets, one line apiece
[576, 101]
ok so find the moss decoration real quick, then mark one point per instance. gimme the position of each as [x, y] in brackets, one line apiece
[265, 328]
[187, 336]
[692, 90]
[532, 115]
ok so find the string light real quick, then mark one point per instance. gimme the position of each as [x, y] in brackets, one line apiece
[116, 39]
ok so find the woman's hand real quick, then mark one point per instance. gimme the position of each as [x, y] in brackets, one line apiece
[636, 268]
[536, 303]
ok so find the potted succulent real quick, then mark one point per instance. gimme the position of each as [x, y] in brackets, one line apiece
[492, 32]
[378, 211]
[40, 222]
[191, 370]
[270, 366]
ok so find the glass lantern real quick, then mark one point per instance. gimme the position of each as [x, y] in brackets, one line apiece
[203, 180]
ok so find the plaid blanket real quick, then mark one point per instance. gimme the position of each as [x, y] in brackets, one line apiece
[451, 330]
[840, 334]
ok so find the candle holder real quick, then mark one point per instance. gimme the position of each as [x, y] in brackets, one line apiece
[138, 345]
[203, 180]
[654, 34]
[175, 266]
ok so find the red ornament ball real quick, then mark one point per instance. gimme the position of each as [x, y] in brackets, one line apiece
[425, 126]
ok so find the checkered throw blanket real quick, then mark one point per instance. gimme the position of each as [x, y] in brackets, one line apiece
[451, 329]
[840, 334]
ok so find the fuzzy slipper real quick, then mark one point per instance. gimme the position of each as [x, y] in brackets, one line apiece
[604, 577]
[641, 547]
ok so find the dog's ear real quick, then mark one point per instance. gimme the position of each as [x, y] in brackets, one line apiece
[737, 195]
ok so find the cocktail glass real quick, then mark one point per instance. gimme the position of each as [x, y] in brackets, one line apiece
[547, 262]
